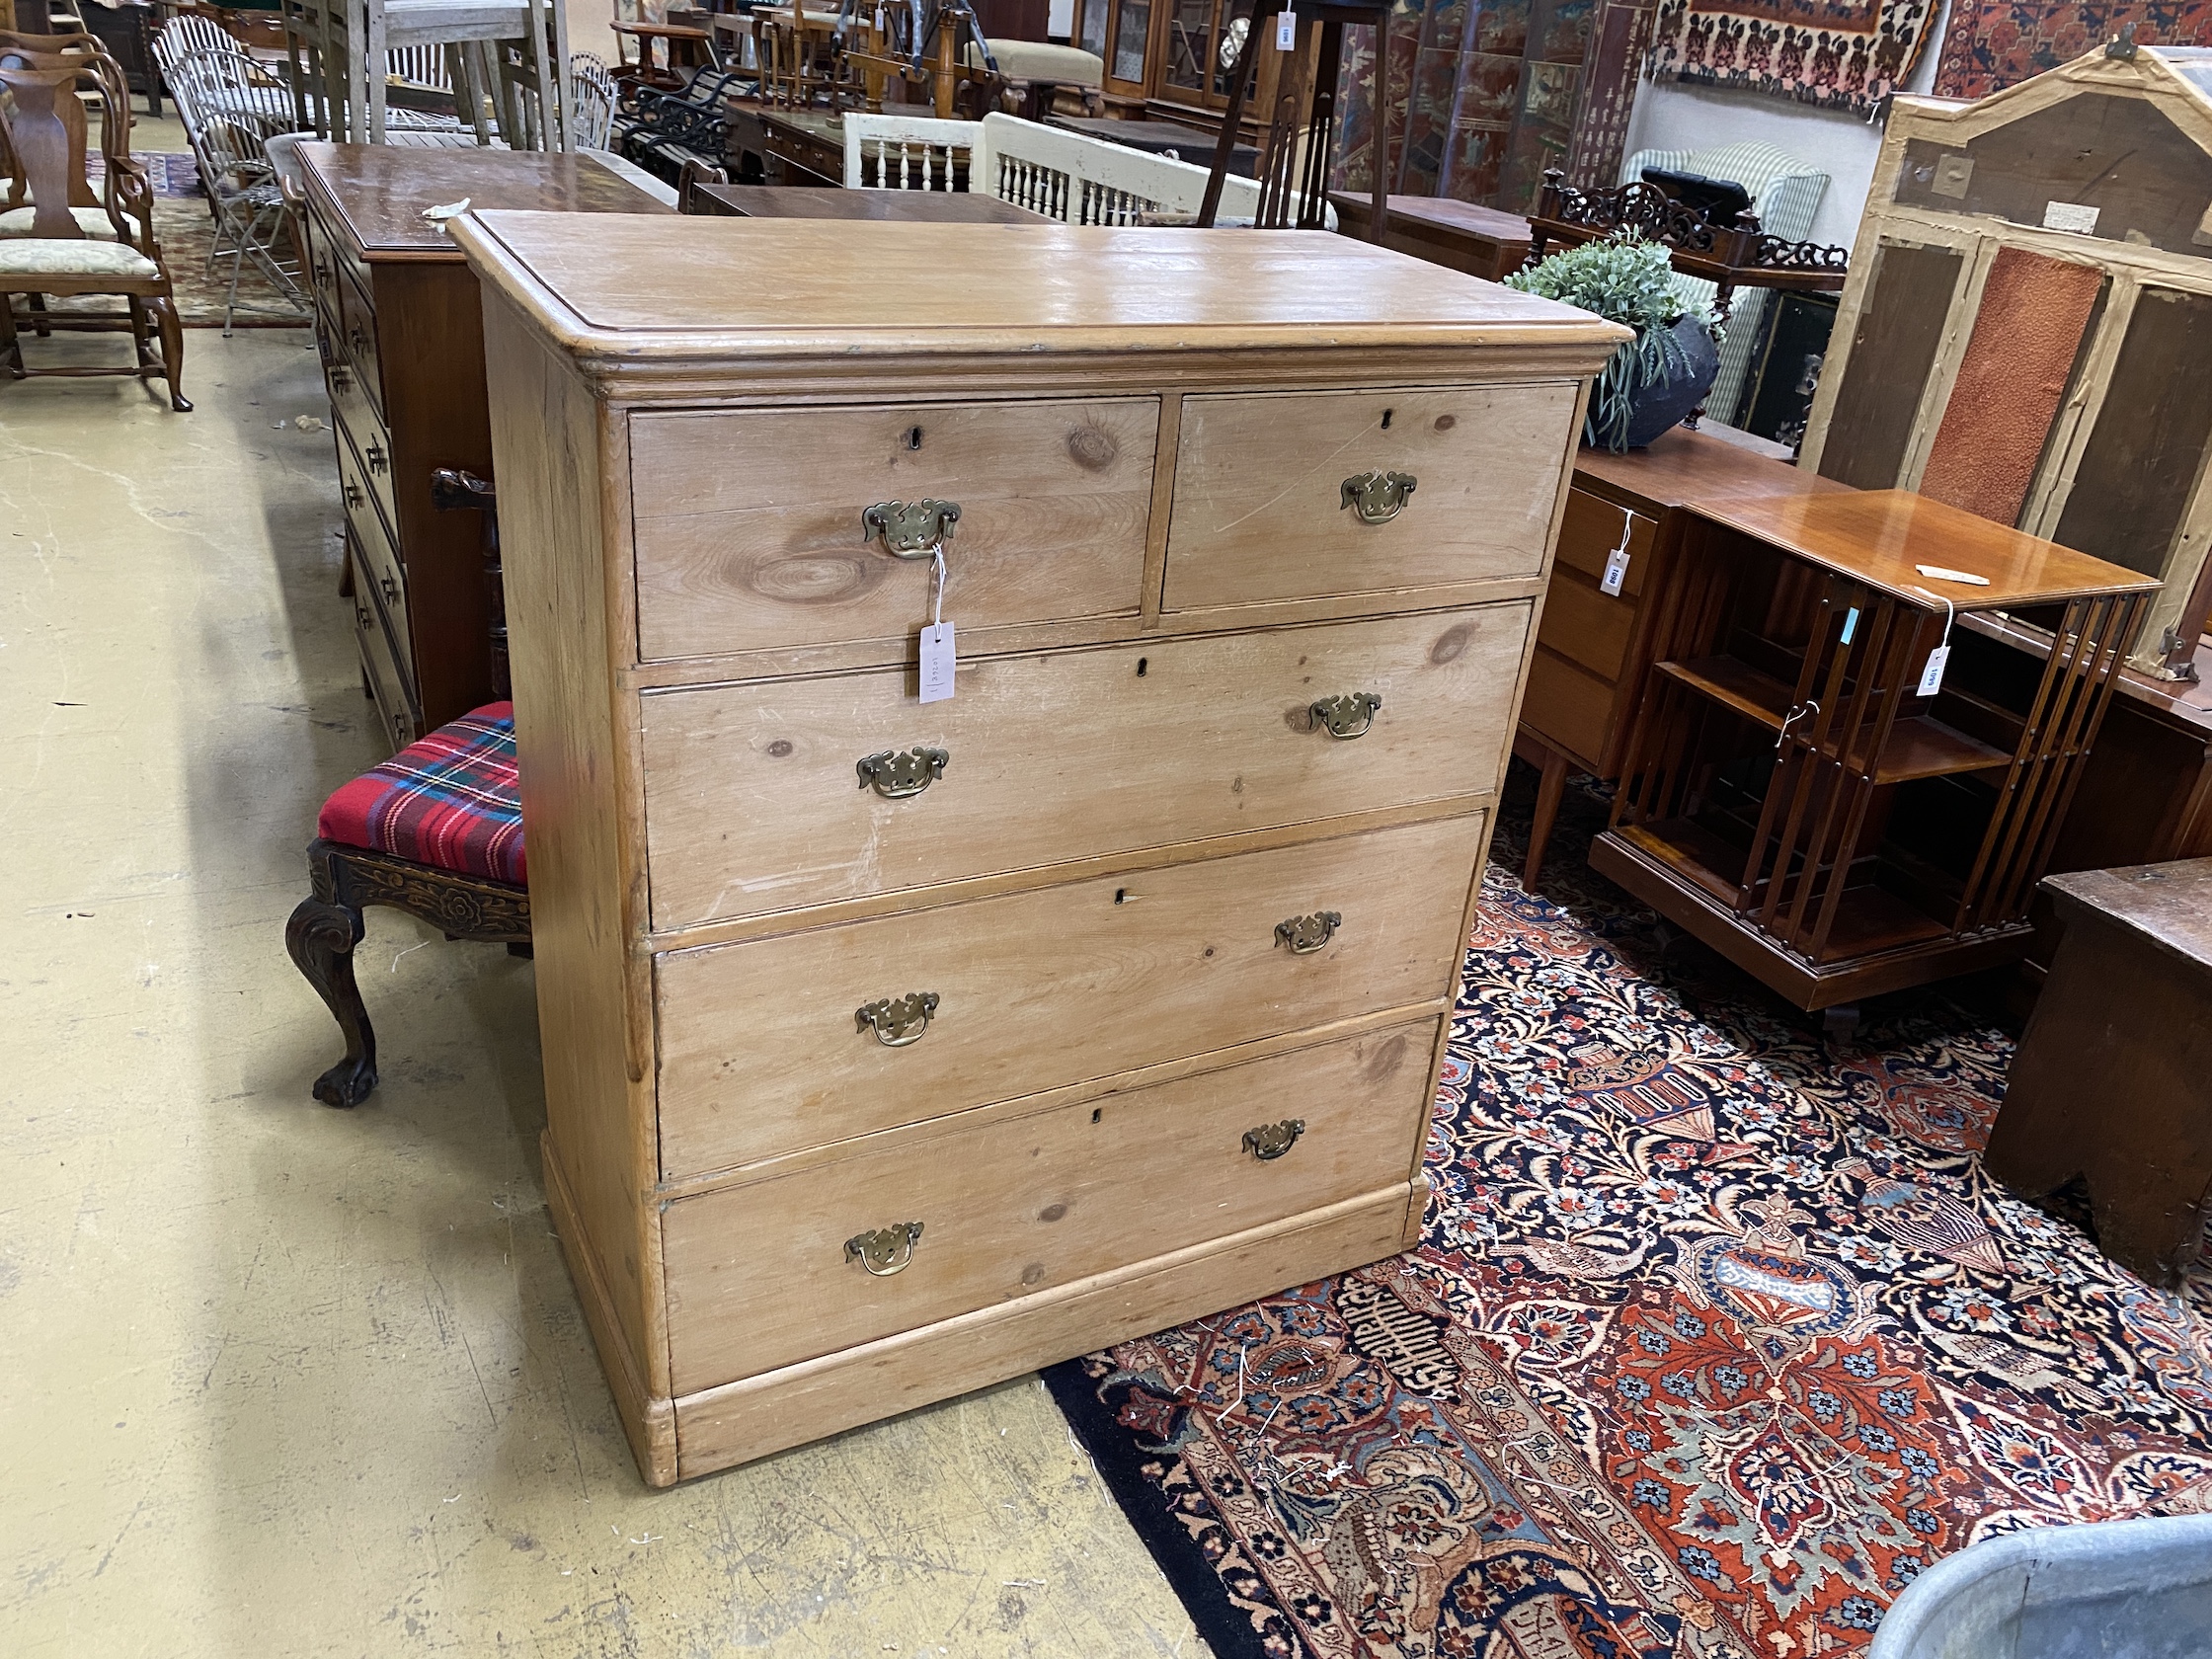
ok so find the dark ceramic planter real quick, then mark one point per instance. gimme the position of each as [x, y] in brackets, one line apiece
[1661, 404]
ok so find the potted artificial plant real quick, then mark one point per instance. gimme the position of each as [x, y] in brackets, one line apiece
[1657, 378]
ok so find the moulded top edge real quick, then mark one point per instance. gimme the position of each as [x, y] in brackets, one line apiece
[643, 289]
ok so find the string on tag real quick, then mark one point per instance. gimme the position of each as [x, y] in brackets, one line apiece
[1932, 675]
[937, 569]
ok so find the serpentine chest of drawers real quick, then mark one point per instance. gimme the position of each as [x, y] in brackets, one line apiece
[894, 1047]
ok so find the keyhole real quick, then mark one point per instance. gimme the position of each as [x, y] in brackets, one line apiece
[1386, 420]
[1119, 894]
[1096, 1113]
[1142, 664]
[913, 437]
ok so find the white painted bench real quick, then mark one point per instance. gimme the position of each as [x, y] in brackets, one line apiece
[1066, 176]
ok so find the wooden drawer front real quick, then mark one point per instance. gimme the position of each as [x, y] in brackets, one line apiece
[761, 1055]
[1592, 528]
[325, 264]
[748, 525]
[757, 1274]
[754, 802]
[388, 684]
[1259, 490]
[1569, 707]
[356, 321]
[377, 563]
[364, 466]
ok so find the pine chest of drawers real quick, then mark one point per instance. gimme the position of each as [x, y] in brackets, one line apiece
[895, 1048]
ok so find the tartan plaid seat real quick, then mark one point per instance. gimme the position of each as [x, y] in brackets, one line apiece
[449, 800]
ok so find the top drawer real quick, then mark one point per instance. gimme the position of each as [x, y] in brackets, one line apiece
[750, 534]
[1260, 491]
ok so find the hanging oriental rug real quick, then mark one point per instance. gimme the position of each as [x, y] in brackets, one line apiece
[1991, 44]
[1841, 55]
[1715, 1339]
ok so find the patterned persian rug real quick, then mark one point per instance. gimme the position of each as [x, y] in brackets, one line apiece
[1714, 1341]
[1991, 44]
[1841, 55]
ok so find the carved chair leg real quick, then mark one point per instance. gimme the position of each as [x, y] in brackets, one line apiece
[172, 351]
[320, 937]
[11, 349]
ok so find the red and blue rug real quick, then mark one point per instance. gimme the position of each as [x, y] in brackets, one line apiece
[1715, 1339]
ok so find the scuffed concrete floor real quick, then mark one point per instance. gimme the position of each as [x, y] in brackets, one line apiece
[277, 1380]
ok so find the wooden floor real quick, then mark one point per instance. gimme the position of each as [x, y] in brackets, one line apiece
[286, 1381]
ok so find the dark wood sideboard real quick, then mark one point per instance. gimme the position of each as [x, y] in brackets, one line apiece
[400, 326]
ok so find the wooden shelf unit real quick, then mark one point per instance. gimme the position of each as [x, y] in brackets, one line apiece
[1790, 798]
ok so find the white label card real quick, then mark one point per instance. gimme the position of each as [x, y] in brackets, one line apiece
[1931, 677]
[936, 663]
[1286, 31]
[2075, 217]
[1616, 572]
[1850, 624]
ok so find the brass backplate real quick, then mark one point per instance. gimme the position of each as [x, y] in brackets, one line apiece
[1377, 498]
[887, 1250]
[896, 775]
[1270, 1142]
[1347, 716]
[1306, 934]
[896, 1020]
[909, 529]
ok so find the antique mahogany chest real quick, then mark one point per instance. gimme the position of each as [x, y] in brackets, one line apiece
[893, 1048]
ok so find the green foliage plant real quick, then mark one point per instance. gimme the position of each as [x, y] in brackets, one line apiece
[1625, 279]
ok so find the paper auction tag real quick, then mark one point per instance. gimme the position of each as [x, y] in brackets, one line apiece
[1931, 677]
[1286, 30]
[936, 663]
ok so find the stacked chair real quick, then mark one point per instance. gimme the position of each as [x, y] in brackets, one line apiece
[60, 237]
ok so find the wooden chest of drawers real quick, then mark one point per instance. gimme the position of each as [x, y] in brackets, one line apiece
[894, 1047]
[400, 329]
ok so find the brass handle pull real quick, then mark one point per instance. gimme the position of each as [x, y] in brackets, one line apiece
[322, 274]
[898, 776]
[359, 341]
[1306, 934]
[896, 1020]
[391, 589]
[910, 530]
[1348, 716]
[340, 378]
[887, 1250]
[360, 616]
[1270, 1142]
[378, 460]
[1376, 497]
[353, 496]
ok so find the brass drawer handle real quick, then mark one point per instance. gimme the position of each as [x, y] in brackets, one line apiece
[887, 1250]
[359, 341]
[353, 496]
[1306, 934]
[378, 460]
[1348, 716]
[913, 531]
[897, 1021]
[1376, 497]
[899, 776]
[1270, 1142]
[391, 592]
[340, 379]
[322, 274]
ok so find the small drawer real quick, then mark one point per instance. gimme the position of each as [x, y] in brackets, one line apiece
[777, 1271]
[1590, 531]
[325, 264]
[762, 1052]
[377, 563]
[364, 464]
[751, 535]
[356, 324]
[768, 796]
[349, 396]
[386, 679]
[1266, 506]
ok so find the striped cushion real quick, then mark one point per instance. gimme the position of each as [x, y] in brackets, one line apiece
[449, 800]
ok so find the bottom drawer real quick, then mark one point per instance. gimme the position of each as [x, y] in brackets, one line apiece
[382, 676]
[760, 1276]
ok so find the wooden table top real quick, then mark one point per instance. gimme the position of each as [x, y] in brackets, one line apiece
[804, 201]
[640, 291]
[2171, 904]
[1682, 467]
[1441, 210]
[381, 190]
[1881, 536]
[1157, 137]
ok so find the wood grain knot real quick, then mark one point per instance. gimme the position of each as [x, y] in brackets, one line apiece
[1032, 1273]
[811, 578]
[1444, 422]
[1052, 1211]
[780, 747]
[1093, 449]
[1387, 1059]
[1450, 645]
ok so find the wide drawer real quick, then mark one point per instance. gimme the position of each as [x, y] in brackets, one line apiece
[760, 1276]
[356, 319]
[385, 678]
[761, 1051]
[364, 466]
[1261, 508]
[755, 800]
[376, 559]
[749, 526]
